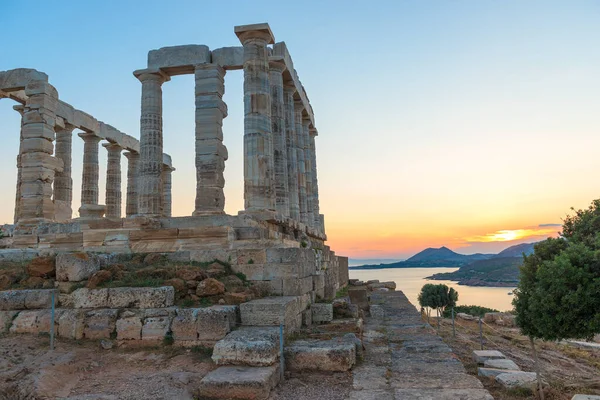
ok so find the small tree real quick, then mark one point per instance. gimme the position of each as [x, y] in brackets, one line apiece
[558, 293]
[437, 297]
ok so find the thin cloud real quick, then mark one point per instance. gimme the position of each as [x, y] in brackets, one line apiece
[549, 225]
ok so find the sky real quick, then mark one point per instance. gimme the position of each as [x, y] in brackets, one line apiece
[472, 124]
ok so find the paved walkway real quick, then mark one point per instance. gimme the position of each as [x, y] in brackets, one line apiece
[406, 360]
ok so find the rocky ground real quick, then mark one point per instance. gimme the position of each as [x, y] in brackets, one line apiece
[567, 369]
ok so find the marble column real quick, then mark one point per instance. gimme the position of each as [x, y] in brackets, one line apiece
[301, 177]
[113, 180]
[259, 194]
[167, 185]
[63, 182]
[20, 109]
[89, 181]
[131, 203]
[310, 218]
[210, 151]
[282, 201]
[292, 157]
[151, 143]
[38, 166]
[315, 182]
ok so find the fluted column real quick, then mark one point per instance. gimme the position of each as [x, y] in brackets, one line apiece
[259, 194]
[150, 195]
[20, 109]
[210, 151]
[310, 218]
[292, 157]
[38, 166]
[301, 177]
[131, 203]
[167, 185]
[89, 181]
[63, 182]
[282, 201]
[315, 182]
[113, 180]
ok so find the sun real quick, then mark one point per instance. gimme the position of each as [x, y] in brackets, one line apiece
[506, 235]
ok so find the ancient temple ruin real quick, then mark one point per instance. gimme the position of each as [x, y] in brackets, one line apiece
[280, 173]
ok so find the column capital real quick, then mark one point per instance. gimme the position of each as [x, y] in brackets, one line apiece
[89, 136]
[112, 147]
[168, 168]
[131, 155]
[151, 74]
[298, 106]
[312, 131]
[277, 63]
[20, 108]
[210, 67]
[254, 32]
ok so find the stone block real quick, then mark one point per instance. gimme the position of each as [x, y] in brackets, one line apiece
[238, 382]
[12, 300]
[90, 298]
[129, 327]
[40, 298]
[491, 372]
[156, 328]
[213, 323]
[6, 318]
[177, 60]
[184, 325]
[271, 311]
[253, 272]
[290, 256]
[142, 297]
[517, 379]
[307, 318]
[229, 256]
[358, 296]
[585, 397]
[99, 324]
[230, 58]
[377, 312]
[76, 267]
[254, 346]
[34, 321]
[481, 356]
[252, 256]
[320, 355]
[500, 363]
[437, 394]
[322, 312]
[71, 324]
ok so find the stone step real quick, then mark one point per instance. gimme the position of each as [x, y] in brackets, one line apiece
[493, 372]
[481, 356]
[238, 382]
[248, 346]
[321, 355]
[273, 311]
[517, 379]
[501, 364]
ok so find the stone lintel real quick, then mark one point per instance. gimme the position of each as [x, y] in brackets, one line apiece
[262, 29]
[277, 62]
[17, 79]
[167, 161]
[230, 58]
[178, 60]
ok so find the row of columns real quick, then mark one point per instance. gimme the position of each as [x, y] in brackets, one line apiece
[280, 175]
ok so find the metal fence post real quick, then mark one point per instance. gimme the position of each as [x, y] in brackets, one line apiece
[480, 333]
[52, 322]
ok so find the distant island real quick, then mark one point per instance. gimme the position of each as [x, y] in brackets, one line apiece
[500, 269]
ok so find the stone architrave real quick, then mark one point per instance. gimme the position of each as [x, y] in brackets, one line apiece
[210, 151]
[167, 185]
[38, 166]
[310, 218]
[302, 201]
[259, 194]
[63, 182]
[278, 129]
[149, 186]
[292, 157]
[113, 180]
[20, 109]
[131, 203]
[315, 182]
[89, 182]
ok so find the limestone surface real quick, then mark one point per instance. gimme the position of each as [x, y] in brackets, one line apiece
[501, 364]
[320, 355]
[239, 382]
[514, 379]
[481, 356]
[254, 346]
[75, 267]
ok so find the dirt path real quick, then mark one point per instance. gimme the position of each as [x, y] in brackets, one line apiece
[29, 370]
[567, 369]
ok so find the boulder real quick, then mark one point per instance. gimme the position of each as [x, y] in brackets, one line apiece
[33, 282]
[190, 274]
[42, 267]
[232, 283]
[237, 298]
[210, 287]
[466, 317]
[76, 267]
[178, 285]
